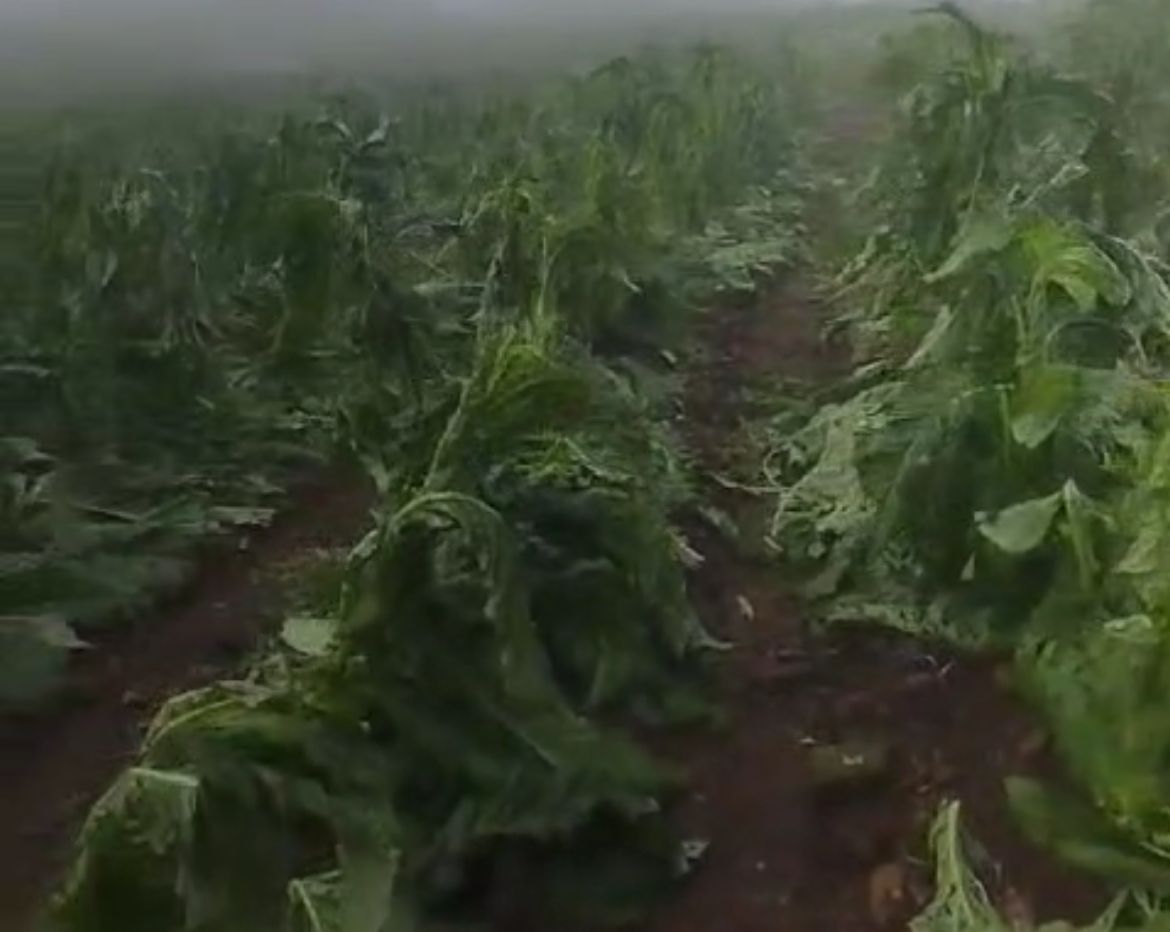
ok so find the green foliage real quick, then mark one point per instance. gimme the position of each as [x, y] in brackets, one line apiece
[995, 473]
[962, 903]
[460, 750]
[1103, 694]
[580, 219]
[434, 288]
[1084, 837]
[210, 314]
[80, 547]
[1035, 337]
[1122, 45]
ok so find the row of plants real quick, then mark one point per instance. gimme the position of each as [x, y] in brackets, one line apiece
[438, 741]
[207, 312]
[994, 473]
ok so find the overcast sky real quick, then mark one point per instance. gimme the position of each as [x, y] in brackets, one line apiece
[228, 30]
[49, 44]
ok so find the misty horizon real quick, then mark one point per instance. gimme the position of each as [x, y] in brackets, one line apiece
[50, 48]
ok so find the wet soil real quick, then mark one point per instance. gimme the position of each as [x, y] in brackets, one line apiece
[817, 794]
[56, 762]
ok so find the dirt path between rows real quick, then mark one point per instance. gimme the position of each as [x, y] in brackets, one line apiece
[54, 764]
[792, 847]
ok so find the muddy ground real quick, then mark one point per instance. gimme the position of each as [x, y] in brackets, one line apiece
[54, 763]
[798, 844]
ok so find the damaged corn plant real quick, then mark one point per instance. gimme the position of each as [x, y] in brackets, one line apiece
[992, 474]
[962, 903]
[443, 743]
[215, 310]
[441, 718]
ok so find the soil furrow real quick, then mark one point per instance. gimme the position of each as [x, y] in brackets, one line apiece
[56, 762]
[817, 794]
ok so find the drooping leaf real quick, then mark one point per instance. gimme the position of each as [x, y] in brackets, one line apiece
[1065, 257]
[359, 897]
[1041, 401]
[1021, 528]
[310, 636]
[962, 903]
[1082, 836]
[982, 233]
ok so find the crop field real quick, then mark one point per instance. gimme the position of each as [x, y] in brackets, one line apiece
[724, 488]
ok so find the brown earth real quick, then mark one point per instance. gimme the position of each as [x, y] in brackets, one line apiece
[794, 848]
[54, 764]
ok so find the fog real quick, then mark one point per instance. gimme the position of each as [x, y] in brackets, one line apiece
[50, 48]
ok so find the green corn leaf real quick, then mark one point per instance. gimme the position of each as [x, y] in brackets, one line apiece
[982, 234]
[310, 636]
[357, 898]
[1023, 527]
[1064, 256]
[962, 904]
[1043, 398]
[314, 903]
[1084, 837]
